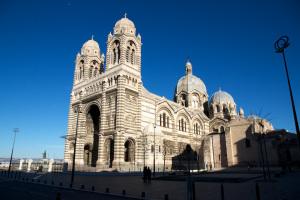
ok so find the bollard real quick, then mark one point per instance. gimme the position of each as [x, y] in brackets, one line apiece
[143, 195]
[45, 182]
[166, 197]
[82, 187]
[52, 182]
[222, 191]
[60, 184]
[93, 188]
[124, 192]
[107, 190]
[257, 191]
[39, 180]
[32, 180]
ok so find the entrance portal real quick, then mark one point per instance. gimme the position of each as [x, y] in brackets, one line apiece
[93, 125]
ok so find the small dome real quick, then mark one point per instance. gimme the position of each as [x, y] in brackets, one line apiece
[124, 25]
[221, 97]
[91, 43]
[91, 48]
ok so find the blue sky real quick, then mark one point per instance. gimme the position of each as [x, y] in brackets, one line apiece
[230, 44]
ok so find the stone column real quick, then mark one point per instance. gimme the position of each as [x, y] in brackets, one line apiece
[103, 127]
[118, 150]
[81, 131]
[29, 164]
[123, 49]
[50, 165]
[120, 103]
[21, 164]
[101, 158]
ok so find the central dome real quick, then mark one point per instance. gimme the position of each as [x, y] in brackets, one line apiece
[190, 83]
[125, 26]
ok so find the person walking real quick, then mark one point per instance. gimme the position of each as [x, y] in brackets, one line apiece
[145, 174]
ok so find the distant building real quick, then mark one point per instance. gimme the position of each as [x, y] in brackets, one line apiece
[119, 117]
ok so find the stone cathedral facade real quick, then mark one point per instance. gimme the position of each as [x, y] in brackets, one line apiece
[123, 126]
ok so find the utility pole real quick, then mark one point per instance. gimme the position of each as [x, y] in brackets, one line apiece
[16, 130]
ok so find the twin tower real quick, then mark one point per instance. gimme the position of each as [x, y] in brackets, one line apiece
[109, 100]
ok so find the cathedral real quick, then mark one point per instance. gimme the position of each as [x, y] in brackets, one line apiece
[120, 125]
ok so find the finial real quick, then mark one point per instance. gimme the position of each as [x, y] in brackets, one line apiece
[92, 37]
[188, 67]
[188, 59]
[125, 15]
[220, 89]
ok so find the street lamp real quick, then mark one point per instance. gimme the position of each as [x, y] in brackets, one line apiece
[154, 127]
[280, 45]
[77, 110]
[12, 150]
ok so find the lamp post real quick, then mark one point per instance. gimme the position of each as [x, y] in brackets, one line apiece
[154, 127]
[77, 110]
[12, 150]
[280, 45]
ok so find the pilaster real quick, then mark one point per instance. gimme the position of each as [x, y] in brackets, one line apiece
[81, 132]
[120, 103]
[118, 149]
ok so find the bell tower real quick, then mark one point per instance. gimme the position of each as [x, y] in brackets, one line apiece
[88, 62]
[124, 46]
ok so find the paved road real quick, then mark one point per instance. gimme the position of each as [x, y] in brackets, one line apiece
[281, 188]
[14, 190]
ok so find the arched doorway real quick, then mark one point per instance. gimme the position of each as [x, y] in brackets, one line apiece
[129, 151]
[87, 155]
[93, 126]
[109, 151]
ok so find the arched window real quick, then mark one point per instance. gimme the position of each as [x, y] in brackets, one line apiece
[225, 109]
[218, 108]
[127, 54]
[182, 125]
[195, 101]
[91, 72]
[95, 71]
[116, 53]
[183, 100]
[132, 57]
[80, 72]
[164, 120]
[197, 128]
[130, 52]
[160, 119]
